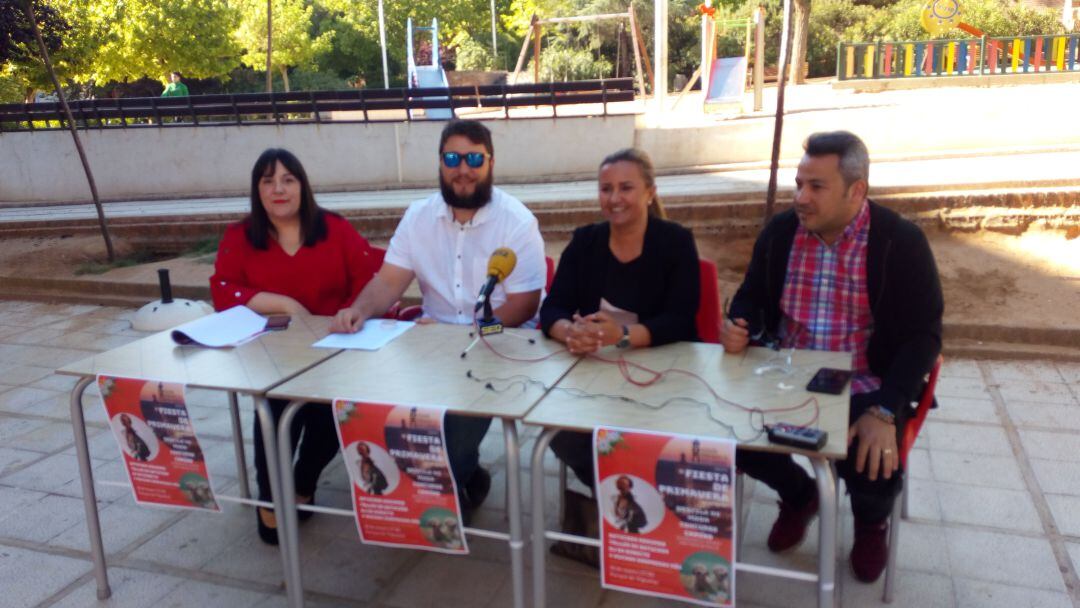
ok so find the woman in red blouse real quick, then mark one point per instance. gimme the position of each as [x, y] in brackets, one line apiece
[290, 256]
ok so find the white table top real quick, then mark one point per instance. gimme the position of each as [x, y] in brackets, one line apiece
[253, 367]
[733, 378]
[424, 367]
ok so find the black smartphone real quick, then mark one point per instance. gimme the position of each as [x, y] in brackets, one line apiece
[278, 322]
[829, 380]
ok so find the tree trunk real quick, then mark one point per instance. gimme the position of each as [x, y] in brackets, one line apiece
[269, 45]
[28, 96]
[71, 125]
[801, 25]
[778, 123]
[285, 77]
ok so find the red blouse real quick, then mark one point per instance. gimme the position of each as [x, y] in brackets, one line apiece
[324, 278]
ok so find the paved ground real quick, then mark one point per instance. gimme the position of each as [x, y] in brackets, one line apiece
[995, 504]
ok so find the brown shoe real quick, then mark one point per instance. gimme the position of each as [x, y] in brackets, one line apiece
[870, 551]
[789, 530]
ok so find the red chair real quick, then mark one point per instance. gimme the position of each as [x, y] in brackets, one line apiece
[410, 313]
[900, 509]
[708, 314]
[379, 253]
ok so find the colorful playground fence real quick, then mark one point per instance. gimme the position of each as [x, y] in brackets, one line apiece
[958, 57]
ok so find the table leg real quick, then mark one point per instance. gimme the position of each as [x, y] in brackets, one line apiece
[238, 446]
[826, 532]
[266, 421]
[513, 489]
[86, 474]
[288, 524]
[539, 544]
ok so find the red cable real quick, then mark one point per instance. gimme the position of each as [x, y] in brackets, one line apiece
[626, 366]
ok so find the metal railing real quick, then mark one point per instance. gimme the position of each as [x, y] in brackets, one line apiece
[958, 57]
[304, 107]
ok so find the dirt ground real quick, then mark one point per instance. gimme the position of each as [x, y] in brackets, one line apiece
[1031, 280]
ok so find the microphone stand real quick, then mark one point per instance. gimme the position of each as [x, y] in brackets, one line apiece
[490, 325]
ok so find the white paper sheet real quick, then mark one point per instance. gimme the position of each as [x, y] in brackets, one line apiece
[228, 328]
[375, 334]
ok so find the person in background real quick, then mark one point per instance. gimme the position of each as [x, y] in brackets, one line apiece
[175, 87]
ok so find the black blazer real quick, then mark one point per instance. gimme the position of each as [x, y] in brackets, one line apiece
[906, 301]
[663, 285]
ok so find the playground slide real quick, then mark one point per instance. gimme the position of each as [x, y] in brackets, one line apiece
[727, 81]
[433, 76]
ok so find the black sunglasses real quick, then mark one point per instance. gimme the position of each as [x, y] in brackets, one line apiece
[474, 160]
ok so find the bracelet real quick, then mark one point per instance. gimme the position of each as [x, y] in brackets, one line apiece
[881, 414]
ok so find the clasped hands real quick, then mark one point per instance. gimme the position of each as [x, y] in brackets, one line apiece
[589, 333]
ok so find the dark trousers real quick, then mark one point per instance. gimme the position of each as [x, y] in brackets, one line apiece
[575, 449]
[314, 441]
[871, 501]
[463, 437]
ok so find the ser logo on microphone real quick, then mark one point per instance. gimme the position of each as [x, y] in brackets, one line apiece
[500, 265]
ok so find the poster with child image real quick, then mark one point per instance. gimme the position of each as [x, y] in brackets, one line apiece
[667, 525]
[164, 461]
[404, 494]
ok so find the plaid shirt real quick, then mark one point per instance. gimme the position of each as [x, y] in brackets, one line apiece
[826, 303]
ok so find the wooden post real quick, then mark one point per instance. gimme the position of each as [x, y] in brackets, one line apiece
[642, 50]
[759, 58]
[524, 49]
[537, 29]
[637, 53]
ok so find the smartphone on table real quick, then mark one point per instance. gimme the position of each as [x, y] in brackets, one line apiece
[829, 380]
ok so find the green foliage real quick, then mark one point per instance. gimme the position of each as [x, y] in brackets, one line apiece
[21, 66]
[11, 90]
[17, 42]
[559, 62]
[455, 17]
[140, 38]
[471, 54]
[292, 42]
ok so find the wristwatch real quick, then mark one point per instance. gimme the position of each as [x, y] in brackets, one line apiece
[624, 341]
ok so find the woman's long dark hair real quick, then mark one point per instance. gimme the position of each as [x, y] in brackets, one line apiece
[312, 222]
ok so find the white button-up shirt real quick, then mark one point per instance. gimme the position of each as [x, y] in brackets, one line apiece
[450, 259]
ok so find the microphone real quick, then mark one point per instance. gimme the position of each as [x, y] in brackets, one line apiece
[500, 265]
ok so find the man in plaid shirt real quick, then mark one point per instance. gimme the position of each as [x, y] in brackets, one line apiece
[840, 273]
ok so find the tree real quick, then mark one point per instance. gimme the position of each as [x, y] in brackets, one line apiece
[139, 38]
[455, 17]
[800, 16]
[20, 65]
[292, 44]
[29, 16]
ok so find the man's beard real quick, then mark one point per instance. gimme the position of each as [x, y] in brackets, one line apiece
[480, 196]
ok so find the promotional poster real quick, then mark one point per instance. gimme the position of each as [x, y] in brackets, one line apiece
[404, 494]
[164, 461]
[667, 524]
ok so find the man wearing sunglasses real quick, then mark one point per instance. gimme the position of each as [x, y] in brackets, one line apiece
[445, 242]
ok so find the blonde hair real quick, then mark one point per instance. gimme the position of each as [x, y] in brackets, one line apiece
[640, 158]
